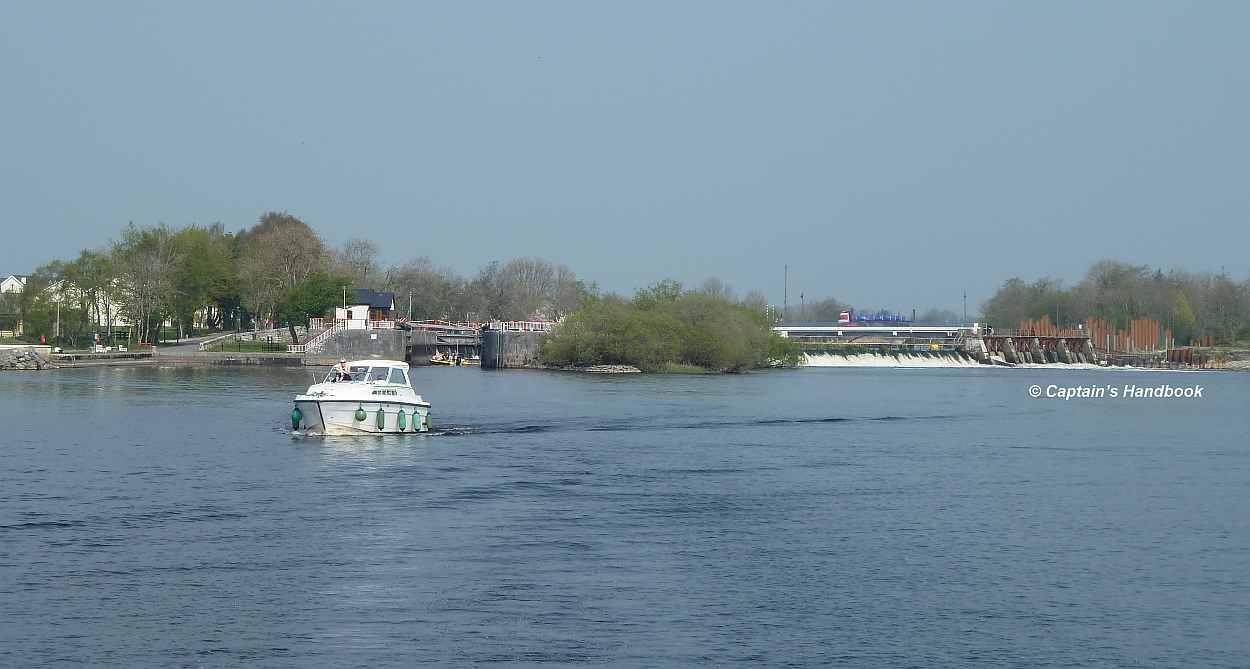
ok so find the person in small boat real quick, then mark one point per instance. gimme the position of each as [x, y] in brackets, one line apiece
[340, 371]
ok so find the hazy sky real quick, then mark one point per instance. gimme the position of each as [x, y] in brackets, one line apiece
[892, 153]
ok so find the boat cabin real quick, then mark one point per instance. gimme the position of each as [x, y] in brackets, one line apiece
[371, 371]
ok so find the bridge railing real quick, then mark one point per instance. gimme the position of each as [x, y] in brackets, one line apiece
[441, 325]
[1014, 332]
[521, 326]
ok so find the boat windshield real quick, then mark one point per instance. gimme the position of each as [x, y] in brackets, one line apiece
[355, 374]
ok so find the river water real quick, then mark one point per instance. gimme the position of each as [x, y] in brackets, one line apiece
[859, 517]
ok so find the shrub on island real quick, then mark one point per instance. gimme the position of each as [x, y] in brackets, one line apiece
[666, 328]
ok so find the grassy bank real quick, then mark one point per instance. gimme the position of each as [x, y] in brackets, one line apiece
[667, 329]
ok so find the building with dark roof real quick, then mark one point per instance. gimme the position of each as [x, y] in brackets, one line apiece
[374, 299]
[367, 306]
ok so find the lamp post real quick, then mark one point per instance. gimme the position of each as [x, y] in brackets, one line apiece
[785, 296]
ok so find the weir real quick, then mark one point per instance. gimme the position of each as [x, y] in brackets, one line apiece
[936, 345]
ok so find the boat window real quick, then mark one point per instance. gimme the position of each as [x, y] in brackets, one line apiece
[397, 376]
[378, 373]
[354, 373]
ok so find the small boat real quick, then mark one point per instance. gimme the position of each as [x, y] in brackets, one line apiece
[454, 361]
[439, 359]
[375, 397]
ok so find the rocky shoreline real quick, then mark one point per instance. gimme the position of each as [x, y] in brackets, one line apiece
[601, 369]
[23, 359]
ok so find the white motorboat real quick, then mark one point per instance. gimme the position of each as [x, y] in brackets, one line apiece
[373, 397]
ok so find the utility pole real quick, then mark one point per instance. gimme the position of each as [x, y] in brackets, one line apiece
[965, 306]
[409, 304]
[802, 308]
[785, 297]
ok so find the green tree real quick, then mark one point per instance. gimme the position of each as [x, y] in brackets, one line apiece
[1184, 324]
[203, 277]
[312, 297]
[146, 262]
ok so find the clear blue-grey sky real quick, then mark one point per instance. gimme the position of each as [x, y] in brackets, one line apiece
[892, 153]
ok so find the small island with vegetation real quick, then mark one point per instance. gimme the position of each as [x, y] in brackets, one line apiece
[666, 328]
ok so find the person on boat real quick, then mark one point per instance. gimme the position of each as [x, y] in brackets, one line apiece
[340, 371]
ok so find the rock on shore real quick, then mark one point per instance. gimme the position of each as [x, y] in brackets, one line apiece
[23, 358]
[603, 369]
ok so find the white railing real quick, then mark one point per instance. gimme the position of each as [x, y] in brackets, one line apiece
[522, 326]
[315, 343]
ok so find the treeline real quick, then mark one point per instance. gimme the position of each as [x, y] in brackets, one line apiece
[1193, 304]
[277, 272]
[668, 328]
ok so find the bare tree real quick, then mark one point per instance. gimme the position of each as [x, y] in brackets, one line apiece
[715, 287]
[278, 254]
[358, 259]
[423, 291]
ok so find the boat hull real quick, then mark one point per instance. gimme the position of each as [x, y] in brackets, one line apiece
[338, 417]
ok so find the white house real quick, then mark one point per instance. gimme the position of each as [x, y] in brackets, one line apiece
[13, 284]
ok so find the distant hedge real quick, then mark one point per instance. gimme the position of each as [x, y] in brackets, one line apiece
[665, 327]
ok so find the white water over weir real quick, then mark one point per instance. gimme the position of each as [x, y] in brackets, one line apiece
[943, 359]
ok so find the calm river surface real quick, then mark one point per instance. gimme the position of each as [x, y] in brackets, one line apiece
[863, 517]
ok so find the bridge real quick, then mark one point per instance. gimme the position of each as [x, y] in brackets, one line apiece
[818, 337]
[498, 343]
[855, 330]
